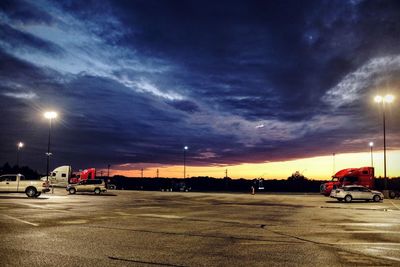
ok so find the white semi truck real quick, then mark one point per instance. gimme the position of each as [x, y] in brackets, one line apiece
[59, 177]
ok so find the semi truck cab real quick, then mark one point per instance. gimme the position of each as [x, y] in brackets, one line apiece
[352, 176]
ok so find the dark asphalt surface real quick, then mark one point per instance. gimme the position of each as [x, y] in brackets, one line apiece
[137, 228]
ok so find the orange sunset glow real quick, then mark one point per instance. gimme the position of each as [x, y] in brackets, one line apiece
[313, 168]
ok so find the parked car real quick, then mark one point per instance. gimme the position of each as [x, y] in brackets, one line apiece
[356, 192]
[17, 183]
[111, 186]
[93, 185]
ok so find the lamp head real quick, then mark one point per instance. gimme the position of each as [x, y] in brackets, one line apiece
[371, 144]
[378, 99]
[388, 99]
[50, 115]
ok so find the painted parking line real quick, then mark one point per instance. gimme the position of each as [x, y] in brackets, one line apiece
[355, 208]
[397, 207]
[20, 220]
[160, 216]
[370, 224]
[42, 207]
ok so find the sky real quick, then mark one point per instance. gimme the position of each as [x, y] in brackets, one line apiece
[261, 88]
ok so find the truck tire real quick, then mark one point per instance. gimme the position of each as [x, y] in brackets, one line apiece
[97, 191]
[72, 191]
[377, 198]
[38, 194]
[392, 194]
[348, 198]
[31, 191]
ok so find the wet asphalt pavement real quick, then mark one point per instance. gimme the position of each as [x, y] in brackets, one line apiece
[139, 228]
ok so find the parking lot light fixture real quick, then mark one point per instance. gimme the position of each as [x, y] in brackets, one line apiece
[50, 115]
[378, 99]
[388, 99]
[185, 148]
[383, 100]
[20, 145]
[371, 146]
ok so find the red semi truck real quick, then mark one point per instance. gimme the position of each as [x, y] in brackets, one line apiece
[361, 176]
[86, 174]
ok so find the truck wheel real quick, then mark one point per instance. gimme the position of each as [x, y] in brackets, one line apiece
[31, 191]
[97, 191]
[348, 198]
[377, 198]
[72, 191]
[38, 194]
[392, 194]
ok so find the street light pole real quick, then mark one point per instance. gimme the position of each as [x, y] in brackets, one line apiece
[184, 161]
[50, 115]
[382, 100]
[384, 146]
[48, 153]
[19, 146]
[371, 145]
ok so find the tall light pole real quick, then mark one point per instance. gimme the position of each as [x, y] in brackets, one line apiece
[383, 100]
[371, 146]
[50, 115]
[19, 146]
[185, 148]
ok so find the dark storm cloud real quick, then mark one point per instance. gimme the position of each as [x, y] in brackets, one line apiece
[242, 81]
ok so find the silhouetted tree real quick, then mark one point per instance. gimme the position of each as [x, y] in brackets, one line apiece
[296, 176]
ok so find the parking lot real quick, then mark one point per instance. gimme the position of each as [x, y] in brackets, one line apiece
[139, 228]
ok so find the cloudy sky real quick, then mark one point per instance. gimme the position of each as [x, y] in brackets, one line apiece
[239, 82]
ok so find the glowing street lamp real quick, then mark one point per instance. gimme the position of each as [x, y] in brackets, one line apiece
[185, 148]
[50, 115]
[371, 145]
[383, 100]
[19, 146]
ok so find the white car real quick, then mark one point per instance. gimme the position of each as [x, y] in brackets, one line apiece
[92, 185]
[356, 192]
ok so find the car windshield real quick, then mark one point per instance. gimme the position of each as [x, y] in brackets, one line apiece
[334, 179]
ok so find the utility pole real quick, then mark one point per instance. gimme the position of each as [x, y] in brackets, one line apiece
[142, 172]
[333, 163]
[226, 173]
[184, 161]
[157, 173]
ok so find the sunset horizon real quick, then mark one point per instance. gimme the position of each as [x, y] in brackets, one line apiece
[315, 168]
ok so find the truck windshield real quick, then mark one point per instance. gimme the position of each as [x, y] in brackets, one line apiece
[350, 179]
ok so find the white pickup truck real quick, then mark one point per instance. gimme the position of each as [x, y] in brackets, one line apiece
[18, 184]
